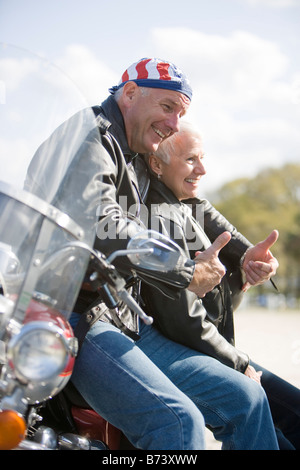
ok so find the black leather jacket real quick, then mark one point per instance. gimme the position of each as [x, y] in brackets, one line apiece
[124, 185]
[205, 325]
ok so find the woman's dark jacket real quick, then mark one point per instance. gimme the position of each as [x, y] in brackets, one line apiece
[206, 324]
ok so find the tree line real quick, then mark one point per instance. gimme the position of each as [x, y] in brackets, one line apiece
[256, 206]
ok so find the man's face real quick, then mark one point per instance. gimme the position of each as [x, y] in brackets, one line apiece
[151, 115]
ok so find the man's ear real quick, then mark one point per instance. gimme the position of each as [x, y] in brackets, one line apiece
[130, 90]
[155, 164]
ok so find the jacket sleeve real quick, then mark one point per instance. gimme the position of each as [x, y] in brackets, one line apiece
[186, 320]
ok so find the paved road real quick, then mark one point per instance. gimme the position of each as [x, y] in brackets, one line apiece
[272, 339]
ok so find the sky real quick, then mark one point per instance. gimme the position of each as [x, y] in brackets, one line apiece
[241, 56]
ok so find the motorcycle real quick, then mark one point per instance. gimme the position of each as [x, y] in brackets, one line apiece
[57, 416]
[66, 422]
[48, 215]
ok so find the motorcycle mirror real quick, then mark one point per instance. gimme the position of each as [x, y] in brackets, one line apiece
[152, 250]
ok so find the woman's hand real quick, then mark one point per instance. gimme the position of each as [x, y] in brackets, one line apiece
[259, 264]
[253, 374]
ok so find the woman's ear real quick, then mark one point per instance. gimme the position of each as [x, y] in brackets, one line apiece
[155, 164]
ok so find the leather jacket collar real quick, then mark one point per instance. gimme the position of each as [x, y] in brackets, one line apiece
[162, 193]
[116, 126]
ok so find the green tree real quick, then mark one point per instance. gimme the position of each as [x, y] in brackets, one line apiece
[258, 205]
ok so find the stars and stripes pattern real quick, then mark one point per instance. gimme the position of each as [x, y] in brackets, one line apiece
[156, 73]
[147, 68]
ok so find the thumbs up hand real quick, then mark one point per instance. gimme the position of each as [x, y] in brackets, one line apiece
[208, 268]
[259, 264]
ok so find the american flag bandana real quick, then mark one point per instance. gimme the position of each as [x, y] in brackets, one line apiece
[156, 73]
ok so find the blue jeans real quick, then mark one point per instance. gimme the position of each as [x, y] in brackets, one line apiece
[159, 392]
[128, 390]
[284, 401]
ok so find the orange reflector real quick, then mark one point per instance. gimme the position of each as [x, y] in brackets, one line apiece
[12, 429]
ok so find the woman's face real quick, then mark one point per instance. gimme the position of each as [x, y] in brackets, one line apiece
[183, 172]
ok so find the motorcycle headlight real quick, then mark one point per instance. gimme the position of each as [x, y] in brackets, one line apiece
[39, 352]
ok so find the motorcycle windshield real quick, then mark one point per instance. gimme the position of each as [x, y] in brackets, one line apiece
[49, 183]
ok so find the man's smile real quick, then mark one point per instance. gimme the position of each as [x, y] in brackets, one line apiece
[158, 132]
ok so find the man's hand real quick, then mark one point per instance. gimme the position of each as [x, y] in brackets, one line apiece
[209, 270]
[259, 264]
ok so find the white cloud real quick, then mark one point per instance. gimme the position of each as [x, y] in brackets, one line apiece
[91, 75]
[14, 70]
[238, 67]
[14, 151]
[36, 97]
[245, 102]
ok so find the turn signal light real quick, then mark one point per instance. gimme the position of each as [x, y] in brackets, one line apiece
[12, 429]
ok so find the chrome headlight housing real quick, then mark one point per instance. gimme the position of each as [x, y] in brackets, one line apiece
[40, 352]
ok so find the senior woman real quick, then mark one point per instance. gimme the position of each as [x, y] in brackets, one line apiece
[206, 324]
